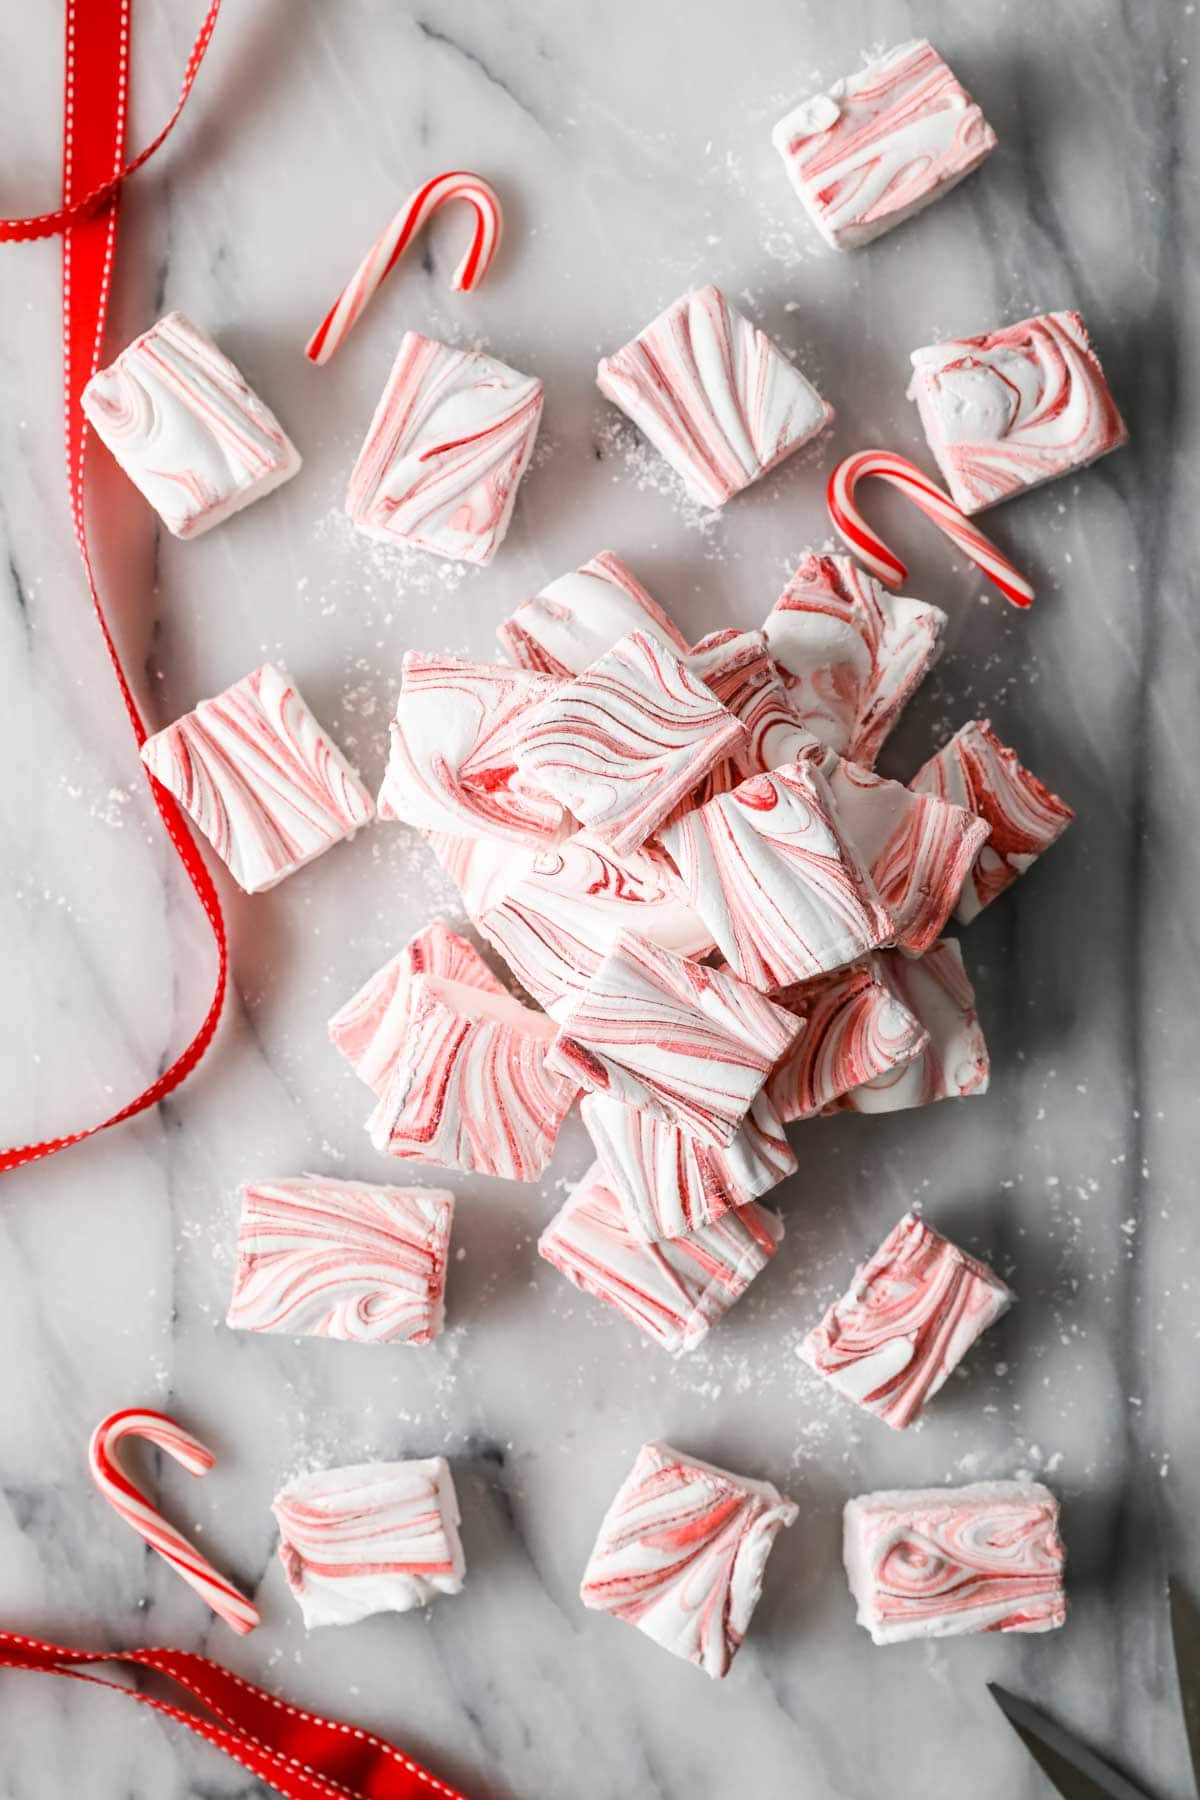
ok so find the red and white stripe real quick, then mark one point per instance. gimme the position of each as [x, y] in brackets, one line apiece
[135, 1509]
[381, 258]
[933, 501]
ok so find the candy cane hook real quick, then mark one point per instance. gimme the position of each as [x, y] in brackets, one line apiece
[382, 257]
[933, 501]
[135, 1509]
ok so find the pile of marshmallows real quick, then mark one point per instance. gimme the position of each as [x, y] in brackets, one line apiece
[727, 920]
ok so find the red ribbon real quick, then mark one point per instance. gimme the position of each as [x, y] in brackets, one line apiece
[300, 1754]
[95, 108]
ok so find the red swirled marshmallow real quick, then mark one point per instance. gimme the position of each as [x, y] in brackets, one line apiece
[445, 452]
[953, 1064]
[714, 395]
[855, 1029]
[882, 145]
[1013, 408]
[911, 1314]
[1024, 818]
[474, 1087]
[342, 1259]
[178, 416]
[943, 1562]
[674, 1291]
[682, 1553]
[376, 1537]
[259, 777]
[578, 618]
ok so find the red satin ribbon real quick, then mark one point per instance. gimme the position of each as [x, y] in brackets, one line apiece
[300, 1754]
[95, 108]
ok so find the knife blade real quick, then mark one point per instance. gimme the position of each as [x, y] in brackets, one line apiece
[1185, 1635]
[1077, 1772]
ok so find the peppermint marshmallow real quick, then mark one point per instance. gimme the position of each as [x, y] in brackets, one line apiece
[342, 1259]
[191, 436]
[682, 1553]
[855, 1029]
[942, 1562]
[258, 776]
[776, 881]
[685, 1043]
[668, 1182]
[474, 1087]
[371, 1028]
[911, 1314]
[936, 990]
[851, 653]
[882, 145]
[714, 395]
[377, 1537]
[455, 741]
[674, 1291]
[624, 742]
[578, 618]
[449, 443]
[1013, 408]
[1024, 818]
[483, 869]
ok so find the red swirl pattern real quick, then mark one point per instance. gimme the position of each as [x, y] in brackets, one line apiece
[682, 1553]
[474, 1088]
[777, 882]
[855, 1029]
[455, 742]
[621, 744]
[714, 395]
[1010, 409]
[370, 1029]
[258, 776]
[851, 653]
[674, 1291]
[668, 1182]
[937, 991]
[578, 618]
[1024, 818]
[342, 1259]
[685, 1043]
[446, 450]
[911, 1314]
[941, 1562]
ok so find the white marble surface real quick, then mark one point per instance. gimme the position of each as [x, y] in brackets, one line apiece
[634, 160]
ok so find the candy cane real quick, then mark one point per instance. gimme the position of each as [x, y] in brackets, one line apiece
[417, 210]
[135, 1509]
[933, 501]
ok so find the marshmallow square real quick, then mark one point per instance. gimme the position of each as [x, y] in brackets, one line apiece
[683, 1042]
[257, 775]
[370, 1029]
[977, 771]
[909, 1317]
[342, 1259]
[376, 1537]
[191, 436]
[954, 1063]
[1013, 408]
[624, 742]
[556, 919]
[455, 740]
[668, 1182]
[882, 145]
[577, 619]
[855, 1028]
[682, 1553]
[481, 868]
[473, 1088]
[777, 882]
[851, 653]
[449, 443]
[714, 395]
[943, 1562]
[674, 1291]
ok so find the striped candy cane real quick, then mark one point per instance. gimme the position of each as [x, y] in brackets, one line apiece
[933, 501]
[382, 257]
[135, 1509]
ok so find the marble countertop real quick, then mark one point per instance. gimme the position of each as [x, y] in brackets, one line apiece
[634, 162]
